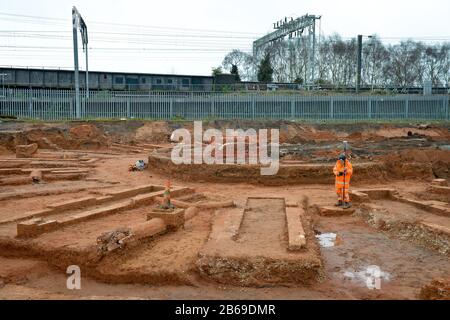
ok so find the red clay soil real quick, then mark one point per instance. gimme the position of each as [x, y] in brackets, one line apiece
[410, 223]
[438, 289]
[166, 267]
[250, 248]
[169, 259]
[94, 135]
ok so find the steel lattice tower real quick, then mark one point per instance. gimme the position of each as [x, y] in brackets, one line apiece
[292, 28]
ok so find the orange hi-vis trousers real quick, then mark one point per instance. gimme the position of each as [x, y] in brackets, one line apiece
[342, 186]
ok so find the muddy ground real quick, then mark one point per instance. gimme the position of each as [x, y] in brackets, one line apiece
[165, 267]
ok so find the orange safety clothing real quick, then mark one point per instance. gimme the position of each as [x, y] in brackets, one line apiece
[342, 186]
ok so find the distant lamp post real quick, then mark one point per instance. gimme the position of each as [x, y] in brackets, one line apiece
[359, 61]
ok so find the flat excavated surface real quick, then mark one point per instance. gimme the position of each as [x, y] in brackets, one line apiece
[413, 224]
[263, 229]
[249, 246]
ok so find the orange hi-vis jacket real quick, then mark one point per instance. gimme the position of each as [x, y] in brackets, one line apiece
[339, 167]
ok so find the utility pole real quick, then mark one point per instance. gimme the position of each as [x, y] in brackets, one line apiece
[87, 74]
[358, 72]
[75, 57]
[313, 57]
[78, 23]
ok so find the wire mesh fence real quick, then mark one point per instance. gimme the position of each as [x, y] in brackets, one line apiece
[61, 105]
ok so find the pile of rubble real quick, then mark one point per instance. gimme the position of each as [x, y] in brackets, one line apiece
[113, 240]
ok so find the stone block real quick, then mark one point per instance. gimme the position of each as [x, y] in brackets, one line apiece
[35, 227]
[296, 233]
[148, 228]
[173, 218]
[359, 197]
[335, 211]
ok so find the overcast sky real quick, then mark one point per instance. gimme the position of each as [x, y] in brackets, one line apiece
[191, 37]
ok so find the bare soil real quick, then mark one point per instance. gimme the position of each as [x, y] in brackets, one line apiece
[166, 266]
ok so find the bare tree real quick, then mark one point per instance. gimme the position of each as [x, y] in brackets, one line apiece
[243, 61]
[404, 63]
[375, 57]
[408, 63]
[437, 63]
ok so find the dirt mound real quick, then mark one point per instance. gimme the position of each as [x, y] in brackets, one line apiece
[395, 132]
[153, 132]
[419, 164]
[290, 134]
[84, 131]
[56, 137]
[355, 136]
[88, 137]
[26, 151]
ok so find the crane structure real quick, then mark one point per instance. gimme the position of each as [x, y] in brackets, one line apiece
[78, 23]
[292, 28]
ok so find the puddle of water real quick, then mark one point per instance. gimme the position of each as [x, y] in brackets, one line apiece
[444, 147]
[371, 276]
[326, 240]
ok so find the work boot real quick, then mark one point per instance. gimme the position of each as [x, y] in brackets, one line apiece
[347, 205]
[339, 203]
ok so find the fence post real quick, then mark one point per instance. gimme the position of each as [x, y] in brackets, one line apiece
[213, 113]
[171, 108]
[253, 106]
[292, 107]
[331, 108]
[369, 108]
[446, 105]
[71, 108]
[406, 108]
[83, 107]
[128, 108]
[30, 103]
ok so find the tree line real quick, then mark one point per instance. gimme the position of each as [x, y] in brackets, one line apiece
[407, 63]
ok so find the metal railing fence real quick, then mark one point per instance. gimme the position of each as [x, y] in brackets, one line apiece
[60, 105]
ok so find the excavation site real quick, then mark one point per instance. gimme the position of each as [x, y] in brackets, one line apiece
[106, 198]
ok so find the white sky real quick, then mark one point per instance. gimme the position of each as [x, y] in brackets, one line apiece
[182, 51]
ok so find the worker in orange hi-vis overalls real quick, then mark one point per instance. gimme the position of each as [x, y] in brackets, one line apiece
[343, 171]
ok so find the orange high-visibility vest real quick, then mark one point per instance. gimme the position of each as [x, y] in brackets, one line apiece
[339, 167]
